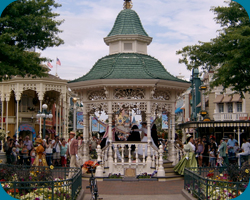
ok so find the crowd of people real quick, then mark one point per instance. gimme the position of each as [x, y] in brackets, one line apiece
[24, 152]
[207, 153]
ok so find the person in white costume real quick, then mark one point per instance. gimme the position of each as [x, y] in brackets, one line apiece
[144, 138]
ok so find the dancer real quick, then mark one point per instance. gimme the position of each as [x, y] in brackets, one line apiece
[144, 139]
[189, 159]
[40, 157]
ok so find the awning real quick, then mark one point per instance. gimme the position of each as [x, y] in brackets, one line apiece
[199, 105]
[206, 103]
[219, 98]
[227, 99]
[236, 98]
[178, 110]
[183, 107]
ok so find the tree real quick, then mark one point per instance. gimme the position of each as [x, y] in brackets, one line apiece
[227, 54]
[27, 25]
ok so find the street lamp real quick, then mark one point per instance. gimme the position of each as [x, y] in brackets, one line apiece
[239, 133]
[44, 114]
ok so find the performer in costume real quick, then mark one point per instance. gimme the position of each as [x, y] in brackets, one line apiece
[154, 135]
[40, 159]
[134, 136]
[188, 160]
[144, 137]
[72, 151]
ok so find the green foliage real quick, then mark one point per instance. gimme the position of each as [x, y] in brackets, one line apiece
[228, 53]
[27, 25]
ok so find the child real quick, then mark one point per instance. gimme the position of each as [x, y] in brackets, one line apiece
[212, 157]
[32, 155]
[219, 160]
[14, 155]
[25, 153]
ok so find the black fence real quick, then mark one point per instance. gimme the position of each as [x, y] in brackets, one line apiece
[216, 183]
[40, 183]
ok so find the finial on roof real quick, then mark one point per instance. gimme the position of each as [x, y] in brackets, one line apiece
[127, 4]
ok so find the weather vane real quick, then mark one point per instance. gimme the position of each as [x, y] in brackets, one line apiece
[127, 4]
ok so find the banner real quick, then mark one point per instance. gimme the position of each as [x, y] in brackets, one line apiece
[95, 125]
[79, 120]
[101, 128]
[164, 121]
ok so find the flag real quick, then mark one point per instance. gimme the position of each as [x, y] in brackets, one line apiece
[49, 64]
[58, 62]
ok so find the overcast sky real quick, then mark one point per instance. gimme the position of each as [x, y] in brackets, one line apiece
[172, 24]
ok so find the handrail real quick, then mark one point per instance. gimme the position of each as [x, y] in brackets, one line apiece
[104, 148]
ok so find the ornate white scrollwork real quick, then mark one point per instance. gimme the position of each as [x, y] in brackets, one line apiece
[161, 95]
[167, 107]
[29, 86]
[121, 93]
[93, 107]
[97, 95]
[49, 87]
[142, 106]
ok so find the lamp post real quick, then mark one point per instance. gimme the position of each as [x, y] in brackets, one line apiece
[44, 114]
[239, 133]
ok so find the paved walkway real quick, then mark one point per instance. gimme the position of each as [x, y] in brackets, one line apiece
[143, 190]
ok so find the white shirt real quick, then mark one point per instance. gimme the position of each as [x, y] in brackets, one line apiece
[245, 147]
[57, 146]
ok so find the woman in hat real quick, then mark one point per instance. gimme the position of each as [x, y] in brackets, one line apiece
[188, 160]
[40, 157]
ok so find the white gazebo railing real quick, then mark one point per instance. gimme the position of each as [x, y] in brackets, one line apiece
[118, 157]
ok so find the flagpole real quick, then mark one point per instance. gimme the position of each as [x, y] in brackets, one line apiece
[56, 68]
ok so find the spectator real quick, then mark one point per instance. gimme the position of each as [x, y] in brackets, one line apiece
[230, 146]
[245, 151]
[6, 148]
[14, 156]
[64, 147]
[223, 150]
[205, 151]
[29, 146]
[32, 155]
[200, 147]
[56, 155]
[212, 157]
[25, 153]
[48, 150]
[19, 153]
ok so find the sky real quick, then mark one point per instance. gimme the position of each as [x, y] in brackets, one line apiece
[172, 25]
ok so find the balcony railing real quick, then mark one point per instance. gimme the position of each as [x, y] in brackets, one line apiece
[230, 116]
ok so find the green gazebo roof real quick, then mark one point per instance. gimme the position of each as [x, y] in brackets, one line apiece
[128, 66]
[127, 23]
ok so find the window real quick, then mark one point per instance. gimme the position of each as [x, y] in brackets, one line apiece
[230, 107]
[221, 107]
[239, 107]
[127, 46]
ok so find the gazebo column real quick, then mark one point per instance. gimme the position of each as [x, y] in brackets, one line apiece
[2, 101]
[110, 158]
[148, 115]
[85, 135]
[17, 114]
[172, 153]
[7, 115]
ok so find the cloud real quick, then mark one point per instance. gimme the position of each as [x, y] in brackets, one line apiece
[172, 24]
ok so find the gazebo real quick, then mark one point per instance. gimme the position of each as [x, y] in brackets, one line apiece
[128, 78]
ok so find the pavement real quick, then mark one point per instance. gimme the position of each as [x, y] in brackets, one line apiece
[142, 190]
